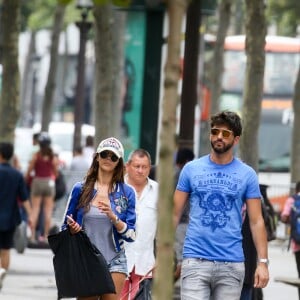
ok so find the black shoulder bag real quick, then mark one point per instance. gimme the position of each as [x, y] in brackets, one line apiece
[80, 268]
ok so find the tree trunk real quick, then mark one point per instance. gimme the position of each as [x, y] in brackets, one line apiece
[10, 101]
[163, 281]
[118, 71]
[295, 152]
[254, 78]
[190, 79]
[104, 71]
[26, 117]
[216, 71]
[238, 17]
[224, 12]
[51, 81]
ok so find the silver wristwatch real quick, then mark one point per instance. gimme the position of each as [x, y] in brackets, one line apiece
[264, 261]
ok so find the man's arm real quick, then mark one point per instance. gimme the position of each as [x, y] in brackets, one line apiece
[259, 235]
[180, 199]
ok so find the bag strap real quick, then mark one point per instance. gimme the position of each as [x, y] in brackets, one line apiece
[137, 285]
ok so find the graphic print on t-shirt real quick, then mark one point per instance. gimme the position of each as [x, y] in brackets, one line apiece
[217, 193]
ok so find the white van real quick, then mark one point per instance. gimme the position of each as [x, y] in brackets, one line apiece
[61, 134]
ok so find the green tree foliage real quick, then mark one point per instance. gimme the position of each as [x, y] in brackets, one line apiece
[285, 14]
[38, 14]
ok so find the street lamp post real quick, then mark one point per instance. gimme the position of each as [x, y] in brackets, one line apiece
[84, 26]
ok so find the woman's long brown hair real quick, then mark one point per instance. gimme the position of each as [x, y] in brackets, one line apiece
[91, 177]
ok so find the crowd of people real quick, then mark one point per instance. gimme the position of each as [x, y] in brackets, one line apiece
[115, 203]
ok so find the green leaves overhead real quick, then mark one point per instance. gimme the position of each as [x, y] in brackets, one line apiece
[64, 2]
[285, 14]
[120, 3]
[40, 13]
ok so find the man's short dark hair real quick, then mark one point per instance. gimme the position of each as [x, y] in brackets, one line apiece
[89, 140]
[6, 150]
[227, 118]
[184, 155]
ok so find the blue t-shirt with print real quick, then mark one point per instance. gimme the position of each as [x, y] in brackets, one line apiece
[217, 194]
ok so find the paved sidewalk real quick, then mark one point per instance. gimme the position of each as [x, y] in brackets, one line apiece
[30, 277]
[282, 263]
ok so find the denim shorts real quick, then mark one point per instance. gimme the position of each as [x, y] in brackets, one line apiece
[203, 279]
[119, 264]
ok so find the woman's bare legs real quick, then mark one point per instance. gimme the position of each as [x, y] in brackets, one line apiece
[48, 211]
[36, 207]
[119, 280]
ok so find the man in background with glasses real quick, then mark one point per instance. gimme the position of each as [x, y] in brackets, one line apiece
[217, 185]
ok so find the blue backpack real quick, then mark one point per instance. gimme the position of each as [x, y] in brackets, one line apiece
[295, 219]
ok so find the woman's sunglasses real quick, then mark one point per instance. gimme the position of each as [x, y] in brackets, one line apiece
[225, 132]
[106, 154]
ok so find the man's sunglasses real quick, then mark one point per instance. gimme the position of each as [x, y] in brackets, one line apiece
[225, 132]
[106, 154]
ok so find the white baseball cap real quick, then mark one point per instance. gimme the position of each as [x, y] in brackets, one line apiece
[112, 144]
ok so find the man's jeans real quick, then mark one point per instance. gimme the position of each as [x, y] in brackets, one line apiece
[211, 280]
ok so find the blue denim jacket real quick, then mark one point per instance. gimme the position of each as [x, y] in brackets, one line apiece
[122, 201]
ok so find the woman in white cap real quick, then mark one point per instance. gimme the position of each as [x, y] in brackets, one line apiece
[104, 206]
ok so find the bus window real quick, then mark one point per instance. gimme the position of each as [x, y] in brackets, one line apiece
[280, 73]
[234, 71]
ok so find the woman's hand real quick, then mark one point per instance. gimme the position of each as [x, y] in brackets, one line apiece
[73, 225]
[106, 209]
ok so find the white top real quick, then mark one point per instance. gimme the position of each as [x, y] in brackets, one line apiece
[140, 254]
[88, 153]
[79, 163]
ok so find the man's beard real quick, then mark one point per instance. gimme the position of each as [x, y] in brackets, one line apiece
[222, 150]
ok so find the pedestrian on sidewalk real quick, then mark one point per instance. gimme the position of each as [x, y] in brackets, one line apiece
[43, 168]
[79, 162]
[104, 207]
[217, 185]
[13, 191]
[141, 253]
[285, 218]
[88, 150]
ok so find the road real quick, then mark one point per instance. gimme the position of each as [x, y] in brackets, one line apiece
[31, 275]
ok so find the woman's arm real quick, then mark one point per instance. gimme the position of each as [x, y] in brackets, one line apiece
[31, 166]
[71, 207]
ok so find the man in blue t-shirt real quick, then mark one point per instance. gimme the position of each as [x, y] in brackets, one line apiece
[217, 185]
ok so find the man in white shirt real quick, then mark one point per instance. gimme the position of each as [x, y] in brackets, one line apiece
[141, 254]
[88, 150]
[79, 162]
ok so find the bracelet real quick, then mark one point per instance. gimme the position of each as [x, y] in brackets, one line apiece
[116, 221]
